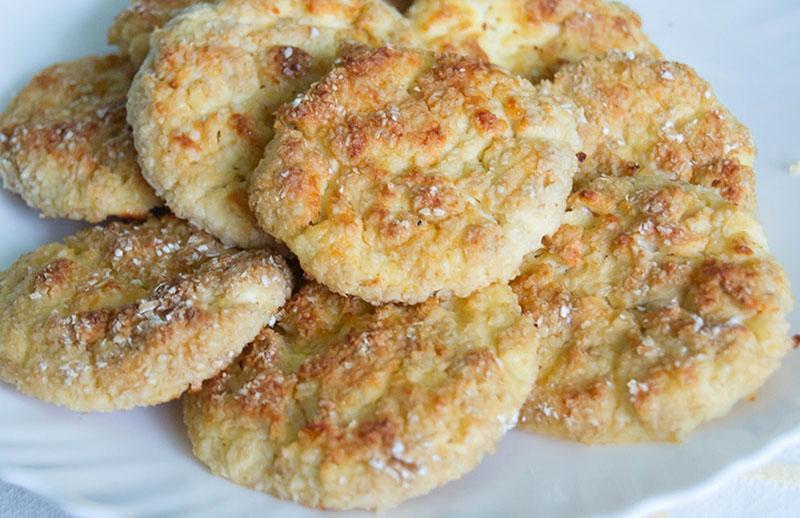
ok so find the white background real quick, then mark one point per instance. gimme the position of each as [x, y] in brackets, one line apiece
[748, 49]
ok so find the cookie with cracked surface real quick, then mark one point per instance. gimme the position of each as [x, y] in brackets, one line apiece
[202, 104]
[644, 113]
[66, 148]
[533, 38]
[343, 405]
[658, 308]
[403, 173]
[131, 315]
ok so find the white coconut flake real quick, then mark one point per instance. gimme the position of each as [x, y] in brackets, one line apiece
[699, 323]
[548, 411]
[635, 388]
[398, 449]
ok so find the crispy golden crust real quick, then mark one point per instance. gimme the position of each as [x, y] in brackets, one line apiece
[530, 37]
[344, 405]
[402, 173]
[643, 113]
[65, 146]
[132, 27]
[659, 308]
[131, 315]
[659, 304]
[202, 104]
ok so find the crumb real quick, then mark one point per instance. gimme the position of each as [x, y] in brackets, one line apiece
[796, 341]
[795, 168]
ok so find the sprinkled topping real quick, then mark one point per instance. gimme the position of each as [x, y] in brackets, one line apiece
[635, 388]
[548, 410]
[398, 449]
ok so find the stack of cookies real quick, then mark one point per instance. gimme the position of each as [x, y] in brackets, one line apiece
[363, 245]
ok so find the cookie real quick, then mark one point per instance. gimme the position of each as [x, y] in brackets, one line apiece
[202, 104]
[343, 405]
[403, 173]
[132, 27]
[66, 148]
[131, 315]
[657, 303]
[644, 113]
[532, 38]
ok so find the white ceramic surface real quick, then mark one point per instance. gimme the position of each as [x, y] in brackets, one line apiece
[139, 463]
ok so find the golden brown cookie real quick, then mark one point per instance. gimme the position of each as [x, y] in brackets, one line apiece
[133, 26]
[657, 303]
[66, 148]
[658, 307]
[530, 37]
[343, 405]
[132, 315]
[644, 113]
[202, 105]
[403, 173]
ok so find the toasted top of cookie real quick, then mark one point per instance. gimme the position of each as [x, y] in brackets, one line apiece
[66, 148]
[343, 405]
[532, 38]
[658, 308]
[202, 104]
[643, 113]
[131, 315]
[133, 26]
[403, 173]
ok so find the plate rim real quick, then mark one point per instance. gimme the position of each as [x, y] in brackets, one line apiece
[80, 506]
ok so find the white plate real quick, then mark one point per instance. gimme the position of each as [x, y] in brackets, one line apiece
[139, 463]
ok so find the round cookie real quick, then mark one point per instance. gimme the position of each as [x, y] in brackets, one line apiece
[202, 104]
[343, 405]
[66, 148]
[643, 113]
[532, 38]
[657, 307]
[132, 27]
[403, 173]
[657, 302]
[132, 315]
